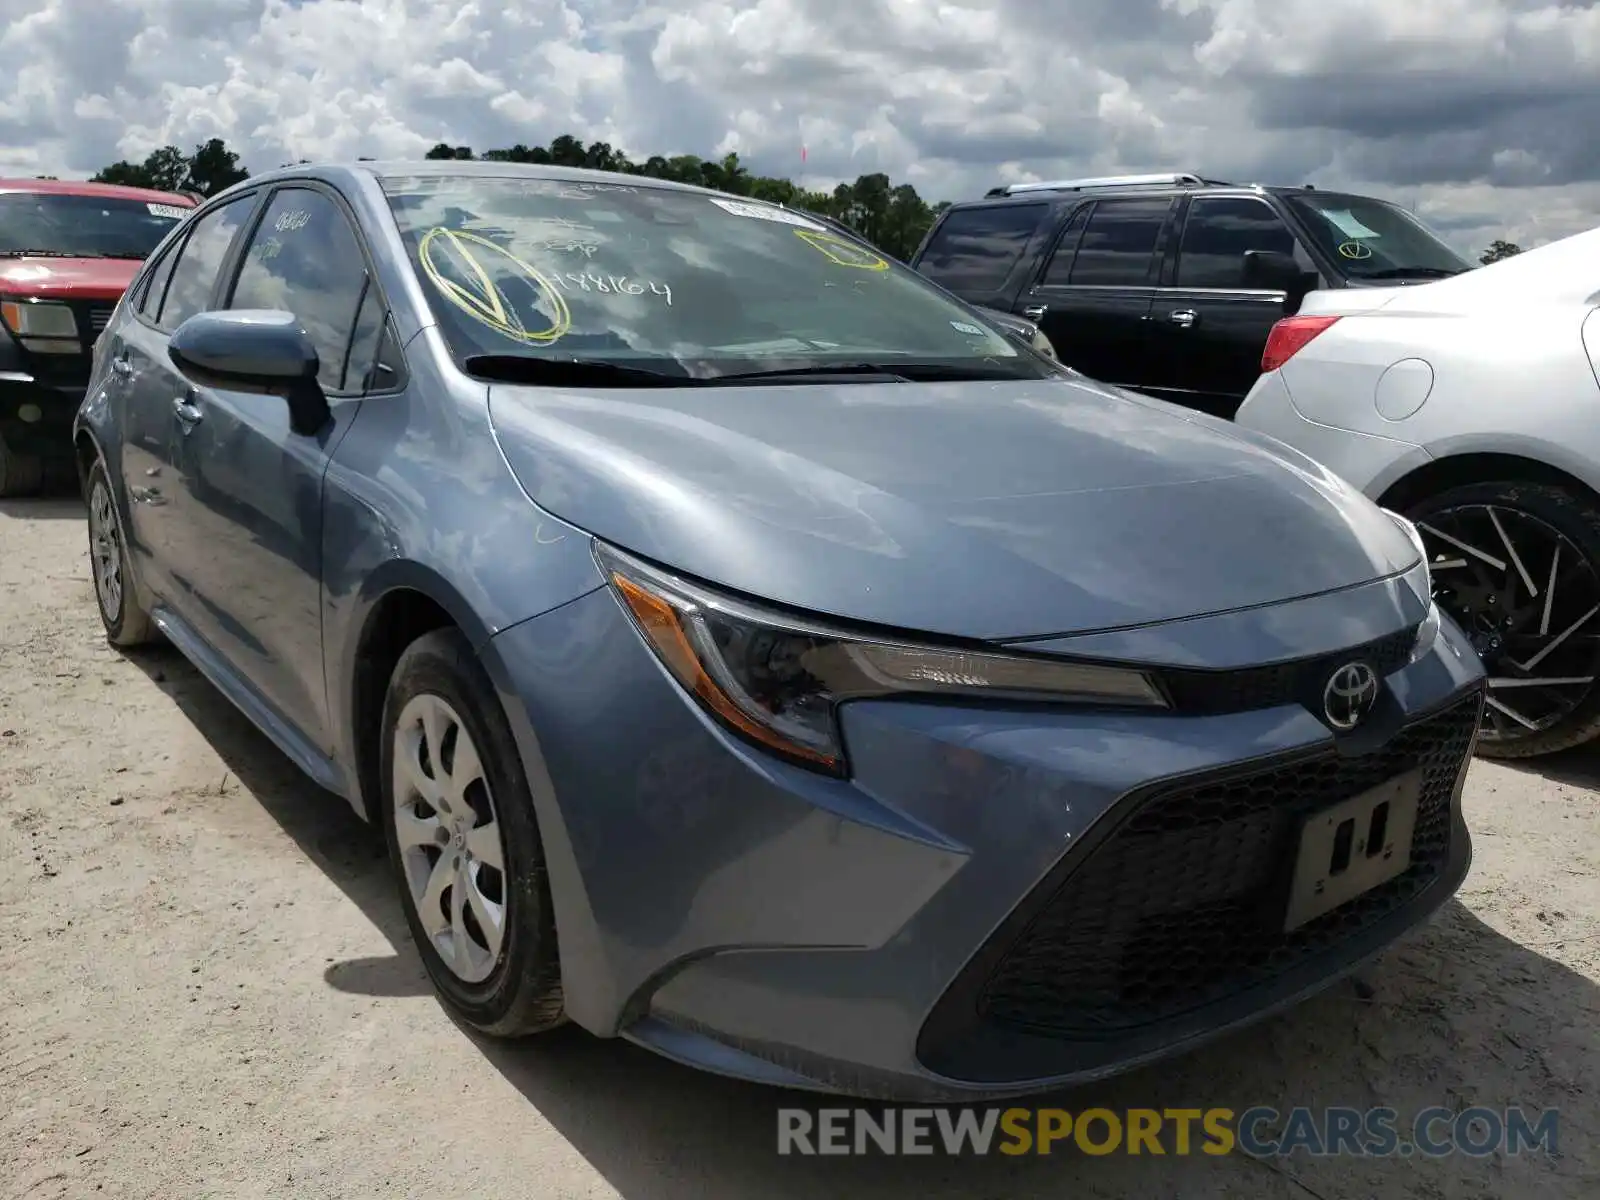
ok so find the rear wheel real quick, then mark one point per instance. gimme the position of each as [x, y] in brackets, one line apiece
[126, 621]
[20, 474]
[464, 843]
[1518, 567]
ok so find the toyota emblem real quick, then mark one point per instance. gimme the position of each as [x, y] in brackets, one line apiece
[1351, 692]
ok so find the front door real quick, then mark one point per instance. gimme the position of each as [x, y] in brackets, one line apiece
[1093, 299]
[1209, 328]
[250, 508]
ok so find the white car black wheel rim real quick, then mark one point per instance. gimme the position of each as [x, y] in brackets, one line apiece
[105, 549]
[449, 838]
[1530, 601]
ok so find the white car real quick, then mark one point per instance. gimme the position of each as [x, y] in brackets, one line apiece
[1472, 406]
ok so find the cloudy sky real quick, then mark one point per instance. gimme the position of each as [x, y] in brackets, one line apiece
[1482, 114]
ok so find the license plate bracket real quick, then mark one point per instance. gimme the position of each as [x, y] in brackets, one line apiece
[1352, 847]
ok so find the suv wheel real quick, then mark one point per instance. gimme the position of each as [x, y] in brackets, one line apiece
[458, 817]
[1518, 567]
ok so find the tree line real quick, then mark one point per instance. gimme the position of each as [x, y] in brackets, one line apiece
[891, 216]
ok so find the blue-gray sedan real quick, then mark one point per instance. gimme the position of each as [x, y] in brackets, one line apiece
[754, 652]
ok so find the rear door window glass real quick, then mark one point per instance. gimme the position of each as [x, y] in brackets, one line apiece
[1119, 243]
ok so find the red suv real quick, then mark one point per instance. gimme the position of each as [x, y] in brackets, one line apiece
[67, 252]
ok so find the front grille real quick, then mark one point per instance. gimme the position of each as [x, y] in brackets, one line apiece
[1301, 681]
[1182, 903]
[99, 316]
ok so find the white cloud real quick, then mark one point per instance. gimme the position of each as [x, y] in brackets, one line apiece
[1478, 112]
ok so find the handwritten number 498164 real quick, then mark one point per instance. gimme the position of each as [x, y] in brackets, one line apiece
[619, 285]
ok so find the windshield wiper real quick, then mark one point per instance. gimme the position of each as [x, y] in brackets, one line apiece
[1415, 272]
[569, 372]
[907, 372]
[46, 254]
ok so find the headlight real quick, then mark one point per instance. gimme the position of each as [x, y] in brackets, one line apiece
[778, 681]
[1420, 577]
[43, 325]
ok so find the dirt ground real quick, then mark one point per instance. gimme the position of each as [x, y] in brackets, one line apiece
[206, 989]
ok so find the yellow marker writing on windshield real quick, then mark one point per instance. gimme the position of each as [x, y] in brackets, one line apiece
[479, 297]
[846, 254]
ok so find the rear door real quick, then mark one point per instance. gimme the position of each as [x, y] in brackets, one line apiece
[1209, 327]
[182, 284]
[1094, 295]
[984, 253]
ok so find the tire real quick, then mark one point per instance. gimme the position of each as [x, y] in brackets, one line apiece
[1551, 527]
[503, 981]
[126, 621]
[20, 474]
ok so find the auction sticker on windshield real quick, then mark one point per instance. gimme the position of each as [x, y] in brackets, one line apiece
[167, 210]
[764, 212]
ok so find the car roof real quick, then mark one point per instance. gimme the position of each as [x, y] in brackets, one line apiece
[439, 168]
[80, 187]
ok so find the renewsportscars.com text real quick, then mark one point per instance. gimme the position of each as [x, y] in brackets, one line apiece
[1261, 1132]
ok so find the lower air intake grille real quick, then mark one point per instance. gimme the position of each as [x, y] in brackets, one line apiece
[1183, 903]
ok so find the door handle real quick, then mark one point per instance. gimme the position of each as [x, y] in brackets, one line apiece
[121, 366]
[1183, 317]
[188, 415]
[1035, 312]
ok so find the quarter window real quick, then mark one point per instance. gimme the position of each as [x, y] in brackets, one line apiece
[1219, 231]
[194, 275]
[974, 249]
[1059, 270]
[1120, 243]
[304, 259]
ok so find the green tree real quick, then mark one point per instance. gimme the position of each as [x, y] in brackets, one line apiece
[211, 168]
[1497, 250]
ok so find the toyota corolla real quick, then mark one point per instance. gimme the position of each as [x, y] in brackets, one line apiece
[750, 651]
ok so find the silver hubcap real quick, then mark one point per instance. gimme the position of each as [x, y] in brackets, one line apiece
[449, 835]
[105, 549]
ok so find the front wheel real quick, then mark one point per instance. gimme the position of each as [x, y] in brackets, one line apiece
[464, 843]
[1518, 567]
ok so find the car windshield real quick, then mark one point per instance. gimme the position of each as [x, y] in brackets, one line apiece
[673, 282]
[1373, 239]
[83, 226]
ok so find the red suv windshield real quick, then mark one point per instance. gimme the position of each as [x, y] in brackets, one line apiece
[64, 225]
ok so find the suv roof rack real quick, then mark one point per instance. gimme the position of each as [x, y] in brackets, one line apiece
[1071, 185]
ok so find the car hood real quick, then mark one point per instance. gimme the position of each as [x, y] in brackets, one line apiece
[68, 278]
[976, 510]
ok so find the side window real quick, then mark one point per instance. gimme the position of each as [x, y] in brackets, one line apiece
[1059, 268]
[1120, 242]
[198, 260]
[974, 249]
[1218, 232]
[155, 283]
[304, 259]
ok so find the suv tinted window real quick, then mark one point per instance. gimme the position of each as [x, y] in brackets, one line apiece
[1059, 269]
[974, 249]
[198, 262]
[1216, 234]
[1120, 241]
[304, 258]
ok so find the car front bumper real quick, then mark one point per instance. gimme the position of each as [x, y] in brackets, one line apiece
[36, 415]
[998, 902]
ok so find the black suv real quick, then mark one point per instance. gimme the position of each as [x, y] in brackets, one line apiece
[1169, 284]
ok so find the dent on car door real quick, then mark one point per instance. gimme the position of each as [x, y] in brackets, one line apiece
[180, 286]
[1093, 298]
[253, 497]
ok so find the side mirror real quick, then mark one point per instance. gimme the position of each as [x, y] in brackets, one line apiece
[262, 351]
[1276, 271]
